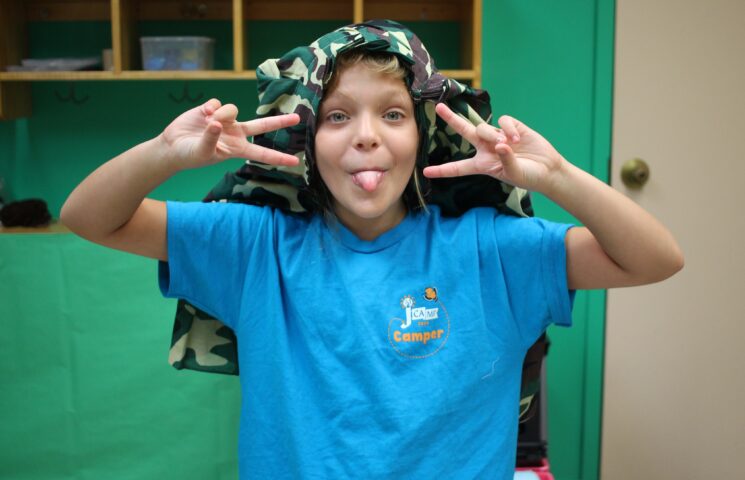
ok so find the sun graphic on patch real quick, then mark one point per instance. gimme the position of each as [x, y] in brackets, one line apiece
[407, 302]
[424, 330]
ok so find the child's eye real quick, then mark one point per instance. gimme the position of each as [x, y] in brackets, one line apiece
[393, 115]
[336, 117]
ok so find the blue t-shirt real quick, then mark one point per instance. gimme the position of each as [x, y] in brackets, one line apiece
[395, 358]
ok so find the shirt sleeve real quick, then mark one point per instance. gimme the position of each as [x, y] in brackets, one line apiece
[209, 245]
[532, 254]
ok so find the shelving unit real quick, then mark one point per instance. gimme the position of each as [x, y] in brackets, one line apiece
[15, 91]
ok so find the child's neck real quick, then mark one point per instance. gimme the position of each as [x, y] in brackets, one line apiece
[369, 229]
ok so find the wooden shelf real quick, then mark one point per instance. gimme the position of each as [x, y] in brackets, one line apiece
[345, 10]
[129, 75]
[466, 75]
[15, 92]
[53, 227]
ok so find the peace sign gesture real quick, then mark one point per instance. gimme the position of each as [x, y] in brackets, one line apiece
[514, 153]
[211, 133]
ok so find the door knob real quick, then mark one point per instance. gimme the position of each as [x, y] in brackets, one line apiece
[635, 173]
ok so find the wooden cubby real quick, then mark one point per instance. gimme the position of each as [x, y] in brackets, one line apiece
[15, 91]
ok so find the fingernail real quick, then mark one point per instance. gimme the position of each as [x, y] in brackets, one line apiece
[515, 138]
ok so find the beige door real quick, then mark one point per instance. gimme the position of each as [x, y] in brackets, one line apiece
[674, 383]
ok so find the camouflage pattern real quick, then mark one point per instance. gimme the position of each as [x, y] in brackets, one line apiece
[295, 83]
[531, 377]
[203, 341]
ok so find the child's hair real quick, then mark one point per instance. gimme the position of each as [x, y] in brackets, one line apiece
[383, 63]
[386, 64]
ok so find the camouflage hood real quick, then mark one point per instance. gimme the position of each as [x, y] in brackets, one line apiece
[295, 83]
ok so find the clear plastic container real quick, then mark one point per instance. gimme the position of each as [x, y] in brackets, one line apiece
[177, 53]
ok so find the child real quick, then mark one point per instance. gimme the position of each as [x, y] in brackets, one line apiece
[378, 338]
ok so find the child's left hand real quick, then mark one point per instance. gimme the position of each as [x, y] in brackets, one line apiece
[514, 153]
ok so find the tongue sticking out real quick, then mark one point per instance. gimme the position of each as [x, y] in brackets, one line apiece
[368, 179]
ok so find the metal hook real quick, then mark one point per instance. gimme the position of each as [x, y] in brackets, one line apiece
[190, 10]
[71, 96]
[185, 95]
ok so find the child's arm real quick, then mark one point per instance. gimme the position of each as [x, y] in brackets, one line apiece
[622, 244]
[109, 207]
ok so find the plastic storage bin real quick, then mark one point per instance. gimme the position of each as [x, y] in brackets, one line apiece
[177, 53]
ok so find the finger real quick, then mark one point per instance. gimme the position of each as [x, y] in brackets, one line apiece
[269, 124]
[452, 169]
[226, 114]
[210, 106]
[507, 157]
[269, 156]
[510, 126]
[464, 128]
[489, 134]
[208, 142]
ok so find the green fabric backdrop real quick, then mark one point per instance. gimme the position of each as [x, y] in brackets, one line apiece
[87, 392]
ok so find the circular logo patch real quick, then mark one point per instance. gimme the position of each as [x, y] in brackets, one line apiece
[424, 328]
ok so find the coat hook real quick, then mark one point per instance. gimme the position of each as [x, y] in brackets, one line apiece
[190, 10]
[185, 96]
[71, 96]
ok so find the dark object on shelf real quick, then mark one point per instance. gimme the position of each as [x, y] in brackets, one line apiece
[25, 213]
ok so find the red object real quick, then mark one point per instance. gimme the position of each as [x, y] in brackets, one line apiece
[543, 471]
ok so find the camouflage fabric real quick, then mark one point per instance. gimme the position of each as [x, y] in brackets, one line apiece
[295, 83]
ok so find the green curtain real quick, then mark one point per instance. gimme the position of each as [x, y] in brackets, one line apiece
[87, 391]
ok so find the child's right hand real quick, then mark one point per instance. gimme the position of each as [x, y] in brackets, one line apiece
[210, 133]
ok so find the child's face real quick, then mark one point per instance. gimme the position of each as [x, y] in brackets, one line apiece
[366, 146]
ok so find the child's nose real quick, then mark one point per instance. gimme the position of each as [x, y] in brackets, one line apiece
[366, 135]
